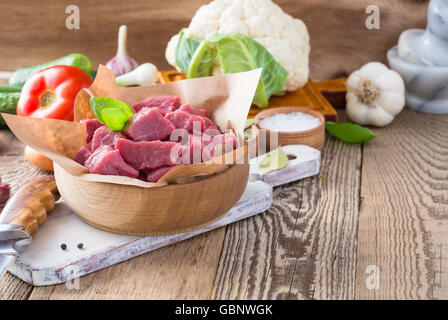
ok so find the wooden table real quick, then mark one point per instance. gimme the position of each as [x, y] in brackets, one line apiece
[375, 209]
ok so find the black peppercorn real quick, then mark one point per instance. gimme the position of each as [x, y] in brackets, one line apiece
[80, 245]
[63, 246]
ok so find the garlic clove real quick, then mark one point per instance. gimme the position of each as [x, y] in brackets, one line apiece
[122, 63]
[143, 75]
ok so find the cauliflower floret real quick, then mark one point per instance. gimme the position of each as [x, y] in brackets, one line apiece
[285, 37]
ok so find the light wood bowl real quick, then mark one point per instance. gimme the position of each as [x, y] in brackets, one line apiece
[153, 211]
[314, 137]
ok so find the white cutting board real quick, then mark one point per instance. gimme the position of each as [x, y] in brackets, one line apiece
[45, 263]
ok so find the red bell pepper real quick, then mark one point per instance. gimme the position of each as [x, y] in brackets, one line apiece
[51, 92]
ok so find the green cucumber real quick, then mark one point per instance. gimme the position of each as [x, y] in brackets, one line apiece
[10, 89]
[8, 104]
[20, 76]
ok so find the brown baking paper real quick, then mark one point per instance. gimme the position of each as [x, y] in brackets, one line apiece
[227, 98]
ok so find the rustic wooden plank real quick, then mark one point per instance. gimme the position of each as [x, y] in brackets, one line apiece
[181, 271]
[12, 288]
[248, 248]
[403, 222]
[27, 24]
[152, 23]
[10, 145]
[304, 246]
[4, 77]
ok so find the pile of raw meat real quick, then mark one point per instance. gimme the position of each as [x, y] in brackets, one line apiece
[160, 128]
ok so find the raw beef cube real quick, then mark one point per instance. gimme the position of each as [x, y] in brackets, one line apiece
[104, 137]
[208, 152]
[192, 152]
[209, 124]
[181, 120]
[163, 112]
[226, 141]
[211, 132]
[194, 111]
[198, 123]
[148, 125]
[147, 154]
[83, 153]
[91, 126]
[106, 160]
[166, 103]
[156, 174]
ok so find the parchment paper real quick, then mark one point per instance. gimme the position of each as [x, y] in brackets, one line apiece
[227, 98]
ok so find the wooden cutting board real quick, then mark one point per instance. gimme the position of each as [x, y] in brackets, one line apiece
[322, 96]
[45, 263]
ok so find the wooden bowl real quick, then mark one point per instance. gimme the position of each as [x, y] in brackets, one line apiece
[313, 137]
[153, 211]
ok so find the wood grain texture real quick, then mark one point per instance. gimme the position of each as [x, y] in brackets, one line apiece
[12, 288]
[41, 26]
[9, 145]
[303, 246]
[185, 270]
[403, 222]
[340, 41]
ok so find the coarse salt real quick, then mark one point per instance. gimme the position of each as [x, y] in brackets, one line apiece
[290, 122]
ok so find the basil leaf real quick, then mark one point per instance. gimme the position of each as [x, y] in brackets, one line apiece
[239, 53]
[349, 132]
[111, 112]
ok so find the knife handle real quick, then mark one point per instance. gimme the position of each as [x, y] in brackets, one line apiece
[28, 207]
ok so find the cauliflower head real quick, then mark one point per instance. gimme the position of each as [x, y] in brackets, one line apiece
[285, 37]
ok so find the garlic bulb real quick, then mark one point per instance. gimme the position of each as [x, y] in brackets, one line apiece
[122, 63]
[375, 95]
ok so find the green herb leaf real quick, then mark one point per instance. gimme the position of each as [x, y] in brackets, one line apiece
[274, 160]
[238, 53]
[111, 112]
[349, 132]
